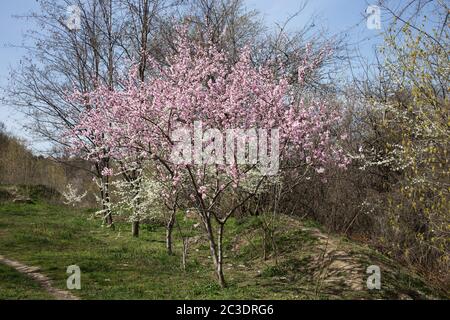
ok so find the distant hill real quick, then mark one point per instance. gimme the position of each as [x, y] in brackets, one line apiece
[20, 168]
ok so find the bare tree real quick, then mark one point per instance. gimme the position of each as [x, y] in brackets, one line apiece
[62, 57]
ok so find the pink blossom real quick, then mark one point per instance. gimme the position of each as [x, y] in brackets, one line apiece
[197, 83]
[107, 172]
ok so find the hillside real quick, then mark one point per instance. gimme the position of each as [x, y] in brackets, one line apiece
[114, 265]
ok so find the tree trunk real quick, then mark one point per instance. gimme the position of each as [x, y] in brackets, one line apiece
[274, 246]
[219, 265]
[185, 252]
[216, 250]
[169, 229]
[135, 228]
[104, 196]
[135, 224]
[105, 203]
[264, 245]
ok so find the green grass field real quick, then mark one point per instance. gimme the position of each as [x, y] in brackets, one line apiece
[114, 265]
[15, 285]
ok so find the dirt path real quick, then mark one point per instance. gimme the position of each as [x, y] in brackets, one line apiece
[331, 266]
[334, 264]
[43, 280]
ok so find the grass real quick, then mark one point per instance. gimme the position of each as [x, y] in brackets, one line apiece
[15, 285]
[114, 265]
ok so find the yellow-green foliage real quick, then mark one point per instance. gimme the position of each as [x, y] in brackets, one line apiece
[417, 62]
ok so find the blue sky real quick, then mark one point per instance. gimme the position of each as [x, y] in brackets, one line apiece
[11, 31]
[335, 15]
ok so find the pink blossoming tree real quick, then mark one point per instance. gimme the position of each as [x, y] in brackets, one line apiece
[159, 118]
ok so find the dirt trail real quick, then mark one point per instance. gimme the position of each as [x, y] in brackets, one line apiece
[331, 265]
[43, 280]
[334, 264]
